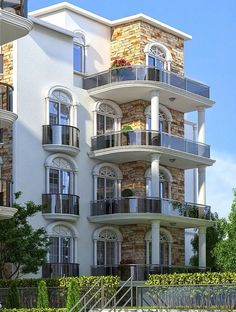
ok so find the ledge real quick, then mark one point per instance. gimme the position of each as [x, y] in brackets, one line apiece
[7, 118]
[60, 216]
[59, 148]
[7, 212]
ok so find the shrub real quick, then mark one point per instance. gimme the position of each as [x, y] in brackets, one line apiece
[72, 295]
[126, 128]
[42, 296]
[34, 310]
[13, 296]
[127, 193]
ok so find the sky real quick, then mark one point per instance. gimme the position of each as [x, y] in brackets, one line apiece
[210, 58]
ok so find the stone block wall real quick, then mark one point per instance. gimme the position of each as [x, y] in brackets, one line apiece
[129, 40]
[6, 147]
[133, 114]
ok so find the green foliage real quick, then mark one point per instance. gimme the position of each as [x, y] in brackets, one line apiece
[126, 128]
[225, 250]
[214, 235]
[72, 295]
[127, 193]
[192, 279]
[13, 296]
[34, 310]
[30, 282]
[20, 244]
[42, 296]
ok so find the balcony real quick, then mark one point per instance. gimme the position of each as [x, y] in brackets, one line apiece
[139, 144]
[61, 207]
[7, 117]
[61, 138]
[51, 270]
[140, 272]
[13, 20]
[123, 85]
[129, 210]
[6, 200]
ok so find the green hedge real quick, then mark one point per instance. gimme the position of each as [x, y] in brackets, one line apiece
[192, 278]
[34, 310]
[30, 282]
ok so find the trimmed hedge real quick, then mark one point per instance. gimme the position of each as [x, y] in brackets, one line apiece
[34, 310]
[192, 279]
[30, 282]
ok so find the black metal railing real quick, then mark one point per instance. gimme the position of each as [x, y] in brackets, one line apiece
[140, 272]
[61, 135]
[149, 138]
[50, 270]
[6, 96]
[145, 73]
[61, 204]
[6, 193]
[19, 7]
[150, 205]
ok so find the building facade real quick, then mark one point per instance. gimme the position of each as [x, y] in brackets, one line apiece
[14, 24]
[103, 147]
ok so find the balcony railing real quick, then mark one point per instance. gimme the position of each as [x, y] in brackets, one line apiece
[6, 193]
[19, 7]
[140, 272]
[149, 205]
[61, 135]
[6, 93]
[61, 204]
[149, 138]
[145, 73]
[50, 270]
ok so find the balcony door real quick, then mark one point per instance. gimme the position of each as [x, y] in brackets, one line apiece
[107, 249]
[59, 108]
[60, 181]
[106, 119]
[106, 184]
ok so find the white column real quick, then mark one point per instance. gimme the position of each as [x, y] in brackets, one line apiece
[202, 247]
[95, 252]
[202, 185]
[170, 255]
[156, 242]
[75, 115]
[155, 175]
[95, 186]
[201, 125]
[155, 110]
[47, 179]
[119, 188]
[94, 123]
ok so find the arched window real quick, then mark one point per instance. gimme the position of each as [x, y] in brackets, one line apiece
[107, 179]
[62, 245]
[165, 119]
[79, 52]
[60, 103]
[157, 55]
[107, 246]
[107, 117]
[165, 180]
[166, 241]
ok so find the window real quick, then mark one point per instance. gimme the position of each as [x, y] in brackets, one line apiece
[59, 108]
[165, 119]
[106, 183]
[157, 55]
[79, 53]
[61, 249]
[165, 180]
[106, 118]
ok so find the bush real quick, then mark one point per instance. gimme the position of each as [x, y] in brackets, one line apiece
[127, 193]
[42, 296]
[34, 310]
[13, 296]
[72, 295]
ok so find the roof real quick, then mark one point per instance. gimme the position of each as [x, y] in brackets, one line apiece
[138, 17]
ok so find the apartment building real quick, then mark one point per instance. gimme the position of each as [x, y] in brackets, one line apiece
[14, 24]
[103, 147]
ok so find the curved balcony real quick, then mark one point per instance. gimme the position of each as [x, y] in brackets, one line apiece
[6, 200]
[126, 84]
[7, 117]
[134, 209]
[61, 138]
[61, 207]
[51, 270]
[139, 144]
[13, 20]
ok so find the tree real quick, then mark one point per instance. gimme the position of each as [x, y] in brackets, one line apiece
[214, 235]
[225, 250]
[21, 245]
[72, 295]
[13, 296]
[42, 296]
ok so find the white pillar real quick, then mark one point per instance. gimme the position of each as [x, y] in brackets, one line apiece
[202, 247]
[155, 175]
[202, 185]
[119, 188]
[95, 186]
[75, 115]
[95, 252]
[170, 255]
[201, 125]
[155, 110]
[156, 242]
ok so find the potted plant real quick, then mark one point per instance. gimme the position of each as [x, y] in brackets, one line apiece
[121, 69]
[127, 193]
[128, 132]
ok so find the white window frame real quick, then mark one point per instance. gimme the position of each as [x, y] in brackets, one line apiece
[166, 59]
[79, 41]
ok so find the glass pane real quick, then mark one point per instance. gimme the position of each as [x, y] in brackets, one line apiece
[65, 250]
[54, 181]
[78, 58]
[162, 189]
[149, 123]
[65, 182]
[151, 61]
[54, 250]
[100, 188]
[100, 253]
[100, 124]
[159, 64]
[53, 113]
[110, 253]
[109, 124]
[110, 188]
[65, 115]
